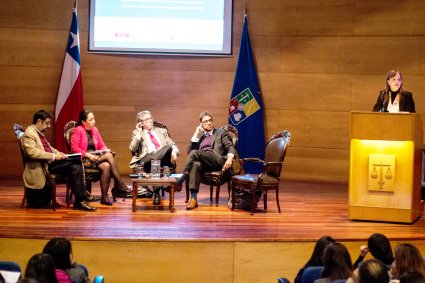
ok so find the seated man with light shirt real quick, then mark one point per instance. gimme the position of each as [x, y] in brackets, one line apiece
[209, 150]
[151, 143]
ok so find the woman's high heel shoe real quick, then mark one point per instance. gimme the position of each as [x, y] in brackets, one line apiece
[117, 193]
[126, 189]
[105, 200]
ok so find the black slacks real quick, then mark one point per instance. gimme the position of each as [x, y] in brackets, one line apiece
[163, 154]
[198, 162]
[73, 170]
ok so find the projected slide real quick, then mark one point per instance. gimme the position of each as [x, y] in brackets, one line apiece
[161, 26]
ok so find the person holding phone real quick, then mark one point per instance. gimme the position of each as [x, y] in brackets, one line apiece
[152, 143]
[209, 149]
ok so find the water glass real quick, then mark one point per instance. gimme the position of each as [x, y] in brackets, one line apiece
[155, 169]
[166, 172]
[140, 170]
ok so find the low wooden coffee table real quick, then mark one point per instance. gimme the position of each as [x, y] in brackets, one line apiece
[165, 182]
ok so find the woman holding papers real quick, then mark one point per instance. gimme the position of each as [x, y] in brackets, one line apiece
[86, 140]
[393, 98]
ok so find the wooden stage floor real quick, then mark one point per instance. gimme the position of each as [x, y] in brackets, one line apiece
[309, 211]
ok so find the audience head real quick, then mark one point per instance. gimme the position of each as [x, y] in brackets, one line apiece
[394, 81]
[380, 248]
[408, 258]
[412, 277]
[61, 252]
[337, 262]
[316, 258]
[373, 271]
[41, 267]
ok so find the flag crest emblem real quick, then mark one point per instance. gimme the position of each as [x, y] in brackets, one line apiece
[242, 106]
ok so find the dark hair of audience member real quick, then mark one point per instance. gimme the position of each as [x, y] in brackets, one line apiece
[316, 258]
[412, 277]
[60, 250]
[373, 271]
[408, 258]
[337, 262]
[41, 267]
[380, 248]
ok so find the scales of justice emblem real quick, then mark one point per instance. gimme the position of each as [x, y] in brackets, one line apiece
[381, 172]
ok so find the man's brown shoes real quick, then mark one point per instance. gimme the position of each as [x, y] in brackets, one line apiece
[193, 203]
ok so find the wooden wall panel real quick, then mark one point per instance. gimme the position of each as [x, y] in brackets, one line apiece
[373, 18]
[30, 47]
[316, 62]
[24, 14]
[21, 85]
[289, 91]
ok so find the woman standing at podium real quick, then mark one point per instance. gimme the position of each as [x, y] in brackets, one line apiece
[394, 99]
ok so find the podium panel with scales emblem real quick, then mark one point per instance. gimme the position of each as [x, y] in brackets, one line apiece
[385, 167]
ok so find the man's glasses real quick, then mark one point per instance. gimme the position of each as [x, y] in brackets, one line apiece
[207, 121]
[47, 122]
[147, 119]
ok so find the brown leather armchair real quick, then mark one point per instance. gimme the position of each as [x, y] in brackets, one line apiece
[269, 178]
[218, 178]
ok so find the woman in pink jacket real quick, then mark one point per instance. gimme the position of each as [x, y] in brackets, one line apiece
[86, 140]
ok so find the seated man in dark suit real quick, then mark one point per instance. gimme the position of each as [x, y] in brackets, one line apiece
[152, 143]
[209, 150]
[36, 147]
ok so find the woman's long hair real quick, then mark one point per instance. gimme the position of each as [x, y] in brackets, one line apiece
[408, 258]
[392, 74]
[316, 258]
[42, 268]
[337, 262]
[60, 250]
[380, 248]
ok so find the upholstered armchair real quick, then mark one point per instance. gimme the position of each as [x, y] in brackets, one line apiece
[269, 178]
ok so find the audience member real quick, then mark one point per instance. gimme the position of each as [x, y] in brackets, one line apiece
[408, 258]
[373, 271]
[36, 147]
[152, 143]
[209, 150]
[41, 267]
[61, 251]
[393, 98]
[86, 140]
[336, 263]
[316, 258]
[380, 248]
[412, 277]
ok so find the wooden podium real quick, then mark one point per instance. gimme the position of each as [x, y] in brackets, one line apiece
[385, 167]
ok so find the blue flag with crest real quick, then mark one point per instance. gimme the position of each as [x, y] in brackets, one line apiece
[246, 106]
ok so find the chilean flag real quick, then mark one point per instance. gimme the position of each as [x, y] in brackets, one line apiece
[70, 96]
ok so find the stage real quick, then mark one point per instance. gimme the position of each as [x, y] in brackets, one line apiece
[211, 243]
